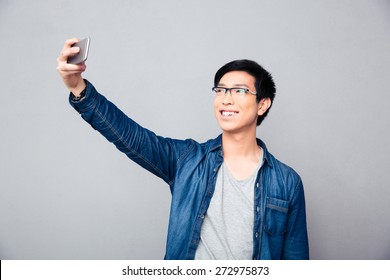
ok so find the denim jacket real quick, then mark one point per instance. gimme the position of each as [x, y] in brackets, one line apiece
[190, 169]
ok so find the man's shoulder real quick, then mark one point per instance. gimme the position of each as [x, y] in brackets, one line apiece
[284, 179]
[192, 149]
[283, 170]
[211, 144]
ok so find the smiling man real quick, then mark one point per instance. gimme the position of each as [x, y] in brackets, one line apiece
[231, 199]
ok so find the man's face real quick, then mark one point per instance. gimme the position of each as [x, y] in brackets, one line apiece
[236, 113]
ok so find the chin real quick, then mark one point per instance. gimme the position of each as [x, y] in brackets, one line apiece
[227, 128]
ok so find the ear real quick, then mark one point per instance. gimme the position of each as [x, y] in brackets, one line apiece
[263, 106]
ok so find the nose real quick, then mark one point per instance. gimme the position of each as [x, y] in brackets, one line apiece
[227, 98]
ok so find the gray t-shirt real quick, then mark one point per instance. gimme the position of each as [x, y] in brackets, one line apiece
[227, 229]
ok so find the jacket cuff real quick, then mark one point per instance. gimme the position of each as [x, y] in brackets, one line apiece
[87, 102]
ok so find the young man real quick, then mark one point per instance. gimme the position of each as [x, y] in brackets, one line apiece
[231, 199]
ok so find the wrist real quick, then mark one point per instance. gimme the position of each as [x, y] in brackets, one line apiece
[80, 96]
[78, 89]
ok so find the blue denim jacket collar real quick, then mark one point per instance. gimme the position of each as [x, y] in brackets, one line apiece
[216, 143]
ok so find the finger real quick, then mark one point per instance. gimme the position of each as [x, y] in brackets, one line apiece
[72, 67]
[68, 74]
[69, 69]
[71, 41]
[70, 52]
[67, 49]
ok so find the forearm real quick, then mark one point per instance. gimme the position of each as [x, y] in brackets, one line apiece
[154, 153]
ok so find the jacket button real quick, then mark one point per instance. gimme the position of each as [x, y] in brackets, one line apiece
[257, 235]
[202, 216]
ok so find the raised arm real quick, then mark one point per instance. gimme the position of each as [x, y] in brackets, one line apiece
[159, 155]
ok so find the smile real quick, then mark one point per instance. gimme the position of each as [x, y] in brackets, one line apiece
[228, 113]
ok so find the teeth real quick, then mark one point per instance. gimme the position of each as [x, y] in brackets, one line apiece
[228, 113]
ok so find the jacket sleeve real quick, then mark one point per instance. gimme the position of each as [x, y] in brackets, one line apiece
[296, 244]
[157, 154]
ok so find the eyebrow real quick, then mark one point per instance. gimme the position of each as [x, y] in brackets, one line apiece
[235, 85]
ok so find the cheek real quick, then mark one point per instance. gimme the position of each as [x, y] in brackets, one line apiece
[216, 109]
[215, 104]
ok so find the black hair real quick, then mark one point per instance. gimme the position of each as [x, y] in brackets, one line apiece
[264, 83]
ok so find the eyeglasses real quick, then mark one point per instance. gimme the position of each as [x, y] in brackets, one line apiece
[219, 91]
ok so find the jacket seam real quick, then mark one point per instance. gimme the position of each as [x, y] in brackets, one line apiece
[185, 154]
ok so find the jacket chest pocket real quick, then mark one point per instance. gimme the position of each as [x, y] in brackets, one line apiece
[276, 214]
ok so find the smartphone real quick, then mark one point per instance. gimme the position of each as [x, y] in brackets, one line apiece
[82, 55]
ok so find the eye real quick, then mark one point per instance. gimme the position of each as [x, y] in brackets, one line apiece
[219, 90]
[241, 91]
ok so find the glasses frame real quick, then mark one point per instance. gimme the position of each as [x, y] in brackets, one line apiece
[225, 90]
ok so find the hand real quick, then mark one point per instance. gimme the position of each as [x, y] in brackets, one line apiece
[71, 73]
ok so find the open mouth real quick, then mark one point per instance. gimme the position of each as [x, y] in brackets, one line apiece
[228, 113]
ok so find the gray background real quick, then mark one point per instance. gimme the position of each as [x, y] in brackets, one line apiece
[66, 193]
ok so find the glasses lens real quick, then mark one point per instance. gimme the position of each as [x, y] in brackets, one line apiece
[239, 91]
[219, 91]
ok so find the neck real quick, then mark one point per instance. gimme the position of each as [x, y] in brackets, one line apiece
[240, 146]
